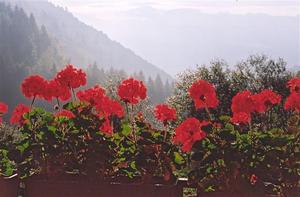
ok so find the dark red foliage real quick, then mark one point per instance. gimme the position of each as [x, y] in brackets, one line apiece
[165, 113]
[132, 91]
[294, 85]
[203, 94]
[188, 132]
[17, 115]
[71, 77]
[92, 95]
[34, 86]
[293, 102]
[65, 114]
[265, 99]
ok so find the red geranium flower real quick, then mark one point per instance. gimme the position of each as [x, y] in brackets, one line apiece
[109, 107]
[164, 113]
[140, 116]
[203, 94]
[265, 99]
[57, 91]
[293, 102]
[92, 95]
[71, 77]
[188, 132]
[242, 106]
[241, 118]
[3, 110]
[243, 102]
[253, 179]
[106, 128]
[65, 114]
[34, 86]
[18, 113]
[132, 91]
[294, 85]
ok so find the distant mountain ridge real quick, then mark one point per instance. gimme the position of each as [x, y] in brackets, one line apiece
[182, 38]
[83, 45]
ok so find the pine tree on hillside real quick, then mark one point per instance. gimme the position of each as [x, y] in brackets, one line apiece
[24, 49]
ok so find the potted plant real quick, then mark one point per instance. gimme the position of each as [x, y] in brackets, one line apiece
[91, 141]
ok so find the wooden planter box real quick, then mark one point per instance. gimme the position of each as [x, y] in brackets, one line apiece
[83, 188]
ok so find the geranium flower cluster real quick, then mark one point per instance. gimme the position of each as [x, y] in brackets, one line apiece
[188, 132]
[203, 94]
[63, 86]
[105, 106]
[132, 91]
[71, 77]
[65, 113]
[165, 113]
[293, 101]
[3, 110]
[58, 88]
[245, 103]
[18, 113]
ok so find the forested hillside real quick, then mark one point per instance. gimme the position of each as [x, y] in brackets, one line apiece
[24, 48]
[82, 44]
[27, 48]
[158, 90]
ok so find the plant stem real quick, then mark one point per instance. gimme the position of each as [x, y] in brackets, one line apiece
[166, 131]
[32, 102]
[58, 102]
[132, 123]
[127, 110]
[208, 113]
[73, 92]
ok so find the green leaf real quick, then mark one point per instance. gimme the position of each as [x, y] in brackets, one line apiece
[126, 130]
[211, 146]
[52, 129]
[133, 165]
[209, 170]
[23, 147]
[9, 170]
[178, 158]
[209, 189]
[225, 118]
[229, 127]
[221, 162]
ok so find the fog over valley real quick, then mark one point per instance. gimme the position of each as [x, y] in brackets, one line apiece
[175, 35]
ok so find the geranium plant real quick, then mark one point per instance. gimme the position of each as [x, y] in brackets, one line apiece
[92, 135]
[234, 153]
[88, 133]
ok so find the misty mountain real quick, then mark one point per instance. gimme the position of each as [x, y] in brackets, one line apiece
[84, 45]
[181, 38]
[25, 48]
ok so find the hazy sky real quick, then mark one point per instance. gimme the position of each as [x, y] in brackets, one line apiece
[109, 7]
[121, 19]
